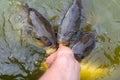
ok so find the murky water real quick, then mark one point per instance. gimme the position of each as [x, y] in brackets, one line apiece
[21, 59]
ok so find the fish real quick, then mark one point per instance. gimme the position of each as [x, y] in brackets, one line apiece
[83, 45]
[70, 23]
[40, 30]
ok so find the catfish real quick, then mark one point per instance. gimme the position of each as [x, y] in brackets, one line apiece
[40, 29]
[70, 23]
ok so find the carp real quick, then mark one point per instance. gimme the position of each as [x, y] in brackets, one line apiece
[40, 30]
[70, 23]
[83, 45]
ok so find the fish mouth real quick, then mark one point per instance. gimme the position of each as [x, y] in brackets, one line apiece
[63, 43]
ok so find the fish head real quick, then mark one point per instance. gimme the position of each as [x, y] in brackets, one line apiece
[46, 40]
[84, 45]
[38, 28]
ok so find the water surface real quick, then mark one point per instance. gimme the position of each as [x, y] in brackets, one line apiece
[21, 59]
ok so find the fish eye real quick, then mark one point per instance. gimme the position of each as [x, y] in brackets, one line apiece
[46, 41]
[37, 37]
[44, 38]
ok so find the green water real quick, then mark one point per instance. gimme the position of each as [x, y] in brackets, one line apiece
[21, 59]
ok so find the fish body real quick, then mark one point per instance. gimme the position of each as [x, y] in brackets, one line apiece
[84, 45]
[40, 29]
[70, 23]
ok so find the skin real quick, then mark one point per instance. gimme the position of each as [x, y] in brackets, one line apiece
[84, 45]
[38, 27]
[70, 23]
[42, 29]
[62, 65]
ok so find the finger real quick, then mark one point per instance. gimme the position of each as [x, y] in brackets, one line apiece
[64, 50]
[50, 59]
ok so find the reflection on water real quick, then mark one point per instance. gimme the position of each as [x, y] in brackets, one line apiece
[20, 58]
[91, 72]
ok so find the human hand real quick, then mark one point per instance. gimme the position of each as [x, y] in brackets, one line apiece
[63, 60]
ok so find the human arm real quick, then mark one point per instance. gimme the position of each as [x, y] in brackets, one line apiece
[62, 66]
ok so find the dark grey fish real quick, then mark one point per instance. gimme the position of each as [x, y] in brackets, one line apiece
[70, 23]
[40, 29]
[84, 45]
